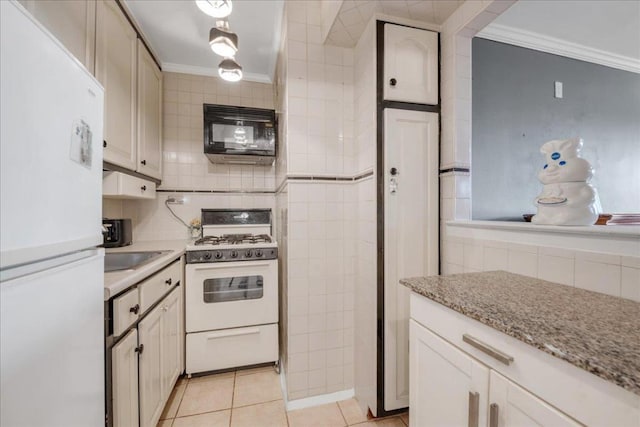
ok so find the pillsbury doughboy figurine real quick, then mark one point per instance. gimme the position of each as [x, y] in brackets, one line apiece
[567, 198]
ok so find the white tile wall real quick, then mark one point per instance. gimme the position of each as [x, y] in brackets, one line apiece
[152, 220]
[595, 271]
[185, 165]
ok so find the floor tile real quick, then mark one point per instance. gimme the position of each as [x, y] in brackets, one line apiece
[271, 414]
[317, 416]
[405, 418]
[351, 411]
[171, 408]
[206, 394]
[384, 422]
[268, 368]
[210, 419]
[257, 388]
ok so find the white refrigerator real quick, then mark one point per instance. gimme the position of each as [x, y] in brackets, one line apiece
[51, 271]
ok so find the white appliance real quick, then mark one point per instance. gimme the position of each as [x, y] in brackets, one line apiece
[231, 292]
[51, 272]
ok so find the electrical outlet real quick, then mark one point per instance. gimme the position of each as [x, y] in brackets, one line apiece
[558, 89]
[172, 200]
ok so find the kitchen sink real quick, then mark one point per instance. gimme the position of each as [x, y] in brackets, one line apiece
[117, 261]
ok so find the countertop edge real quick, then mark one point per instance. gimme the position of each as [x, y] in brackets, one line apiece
[119, 281]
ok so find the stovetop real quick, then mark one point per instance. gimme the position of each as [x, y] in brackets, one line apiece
[233, 239]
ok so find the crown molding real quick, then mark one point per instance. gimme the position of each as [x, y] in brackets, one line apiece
[542, 43]
[212, 72]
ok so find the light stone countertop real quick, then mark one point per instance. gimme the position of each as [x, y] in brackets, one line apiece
[596, 332]
[118, 281]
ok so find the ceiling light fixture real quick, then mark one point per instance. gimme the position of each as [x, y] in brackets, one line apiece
[215, 8]
[230, 70]
[223, 42]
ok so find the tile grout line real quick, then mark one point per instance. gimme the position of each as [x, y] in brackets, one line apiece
[233, 395]
[346, 423]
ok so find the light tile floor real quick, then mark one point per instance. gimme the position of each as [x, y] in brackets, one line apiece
[253, 398]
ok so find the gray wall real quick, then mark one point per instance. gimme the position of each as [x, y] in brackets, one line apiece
[515, 112]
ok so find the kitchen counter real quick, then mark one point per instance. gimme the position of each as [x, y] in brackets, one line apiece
[117, 281]
[596, 332]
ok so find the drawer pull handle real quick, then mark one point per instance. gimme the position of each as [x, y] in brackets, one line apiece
[474, 408]
[143, 162]
[493, 415]
[233, 333]
[135, 309]
[168, 281]
[139, 349]
[143, 188]
[487, 349]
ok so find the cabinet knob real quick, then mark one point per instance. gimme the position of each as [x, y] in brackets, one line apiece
[104, 144]
[143, 162]
[139, 349]
[143, 188]
[168, 281]
[393, 82]
[393, 171]
[135, 309]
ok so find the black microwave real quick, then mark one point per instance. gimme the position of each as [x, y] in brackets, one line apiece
[239, 135]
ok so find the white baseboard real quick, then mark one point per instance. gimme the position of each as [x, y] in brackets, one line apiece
[319, 400]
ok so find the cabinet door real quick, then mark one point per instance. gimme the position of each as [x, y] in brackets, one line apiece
[72, 22]
[171, 336]
[411, 233]
[410, 65]
[448, 388]
[116, 57]
[151, 392]
[149, 114]
[125, 381]
[517, 407]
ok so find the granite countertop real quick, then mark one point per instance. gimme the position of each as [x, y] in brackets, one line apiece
[596, 332]
[118, 281]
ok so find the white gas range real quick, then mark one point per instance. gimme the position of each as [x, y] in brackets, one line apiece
[231, 304]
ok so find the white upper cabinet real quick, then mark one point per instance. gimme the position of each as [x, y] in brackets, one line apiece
[116, 60]
[410, 65]
[149, 114]
[72, 22]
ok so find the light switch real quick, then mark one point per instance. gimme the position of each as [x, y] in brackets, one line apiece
[558, 92]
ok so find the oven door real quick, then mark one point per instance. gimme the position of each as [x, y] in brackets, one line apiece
[231, 294]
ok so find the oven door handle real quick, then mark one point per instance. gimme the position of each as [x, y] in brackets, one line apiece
[224, 334]
[217, 266]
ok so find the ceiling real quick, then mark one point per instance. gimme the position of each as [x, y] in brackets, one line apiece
[610, 26]
[355, 14]
[178, 33]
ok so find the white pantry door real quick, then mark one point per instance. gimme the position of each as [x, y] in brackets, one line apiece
[410, 233]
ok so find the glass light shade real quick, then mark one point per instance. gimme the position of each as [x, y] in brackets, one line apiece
[223, 42]
[215, 8]
[230, 70]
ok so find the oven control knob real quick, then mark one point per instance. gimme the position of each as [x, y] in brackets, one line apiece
[234, 254]
[248, 253]
[207, 255]
[258, 253]
[218, 255]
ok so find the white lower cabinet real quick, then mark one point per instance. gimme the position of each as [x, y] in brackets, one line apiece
[450, 388]
[447, 387]
[124, 356]
[514, 406]
[159, 336]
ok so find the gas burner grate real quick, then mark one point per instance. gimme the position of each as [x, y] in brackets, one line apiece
[233, 239]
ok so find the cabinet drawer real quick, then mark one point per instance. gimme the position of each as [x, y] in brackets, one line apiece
[117, 185]
[229, 348]
[152, 289]
[586, 397]
[126, 310]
